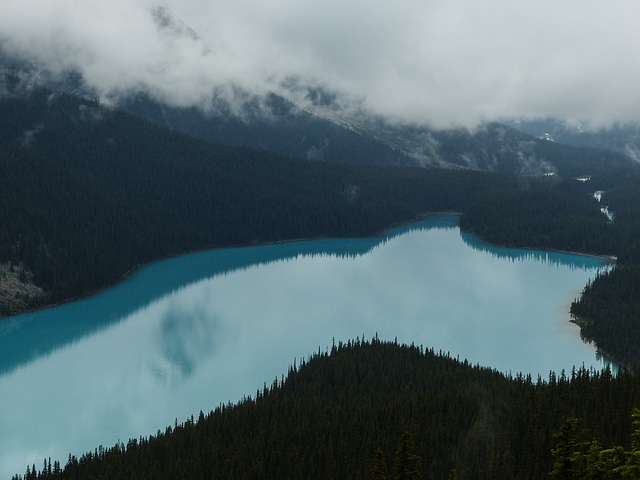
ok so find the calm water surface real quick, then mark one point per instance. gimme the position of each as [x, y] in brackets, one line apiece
[186, 334]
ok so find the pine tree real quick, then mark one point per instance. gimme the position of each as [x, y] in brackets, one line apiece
[379, 466]
[406, 466]
[598, 464]
[631, 468]
[568, 463]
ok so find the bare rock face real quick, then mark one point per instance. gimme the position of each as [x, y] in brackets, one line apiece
[17, 290]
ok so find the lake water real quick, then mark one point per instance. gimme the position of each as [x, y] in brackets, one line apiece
[189, 333]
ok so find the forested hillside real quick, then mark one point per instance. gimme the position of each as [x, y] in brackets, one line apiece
[90, 193]
[334, 411]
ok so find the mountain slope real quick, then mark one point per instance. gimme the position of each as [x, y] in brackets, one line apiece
[624, 139]
[323, 131]
[275, 125]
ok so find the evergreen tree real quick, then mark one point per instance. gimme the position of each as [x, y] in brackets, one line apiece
[568, 457]
[406, 466]
[631, 468]
[379, 467]
[598, 464]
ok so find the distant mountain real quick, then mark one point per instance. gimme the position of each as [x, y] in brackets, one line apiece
[324, 132]
[492, 147]
[619, 138]
[274, 124]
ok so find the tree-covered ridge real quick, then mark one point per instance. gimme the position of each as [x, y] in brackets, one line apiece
[543, 215]
[332, 412]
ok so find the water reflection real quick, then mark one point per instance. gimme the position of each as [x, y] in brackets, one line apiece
[559, 259]
[51, 329]
[186, 334]
[186, 337]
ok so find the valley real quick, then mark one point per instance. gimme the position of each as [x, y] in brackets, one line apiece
[93, 192]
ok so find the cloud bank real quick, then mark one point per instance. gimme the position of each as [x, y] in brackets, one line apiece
[437, 62]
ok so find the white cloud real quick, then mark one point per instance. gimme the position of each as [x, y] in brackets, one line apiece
[435, 61]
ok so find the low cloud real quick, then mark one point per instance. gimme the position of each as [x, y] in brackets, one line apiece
[28, 138]
[441, 62]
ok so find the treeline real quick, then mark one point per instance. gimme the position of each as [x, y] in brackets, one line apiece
[344, 411]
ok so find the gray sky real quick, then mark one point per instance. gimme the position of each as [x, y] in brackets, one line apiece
[440, 62]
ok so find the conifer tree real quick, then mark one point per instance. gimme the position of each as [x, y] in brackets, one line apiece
[631, 468]
[568, 462]
[379, 467]
[598, 463]
[406, 466]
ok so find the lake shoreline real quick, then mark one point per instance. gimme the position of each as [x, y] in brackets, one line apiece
[209, 328]
[599, 351]
[422, 216]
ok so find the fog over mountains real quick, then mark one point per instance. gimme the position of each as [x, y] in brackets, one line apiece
[442, 64]
[325, 133]
[418, 85]
[623, 138]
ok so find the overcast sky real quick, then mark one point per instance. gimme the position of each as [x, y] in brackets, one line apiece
[440, 62]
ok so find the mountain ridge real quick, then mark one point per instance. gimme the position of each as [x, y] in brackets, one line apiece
[323, 131]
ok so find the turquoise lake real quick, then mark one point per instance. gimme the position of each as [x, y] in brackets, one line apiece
[188, 333]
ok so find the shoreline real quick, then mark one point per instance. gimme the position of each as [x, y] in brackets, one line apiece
[569, 323]
[132, 271]
[608, 358]
[610, 259]
[422, 216]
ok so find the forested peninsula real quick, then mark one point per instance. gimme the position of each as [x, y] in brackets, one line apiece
[373, 409]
